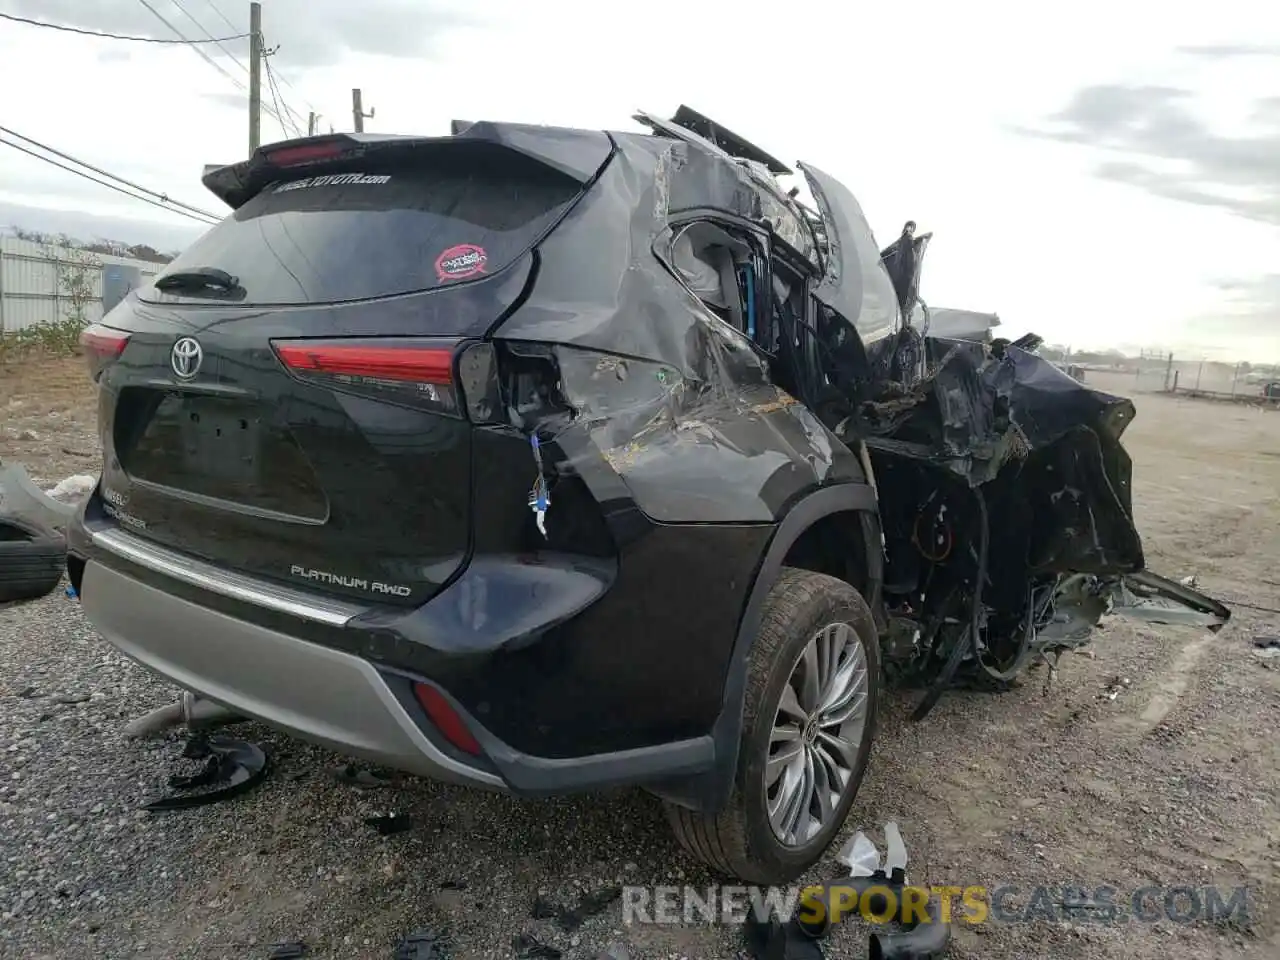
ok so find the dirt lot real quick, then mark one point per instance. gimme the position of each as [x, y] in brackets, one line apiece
[1174, 782]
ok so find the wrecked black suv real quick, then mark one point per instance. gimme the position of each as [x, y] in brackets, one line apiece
[547, 460]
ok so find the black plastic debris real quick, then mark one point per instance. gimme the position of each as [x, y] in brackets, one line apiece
[388, 824]
[529, 947]
[775, 940]
[544, 909]
[453, 885]
[232, 767]
[423, 945]
[290, 950]
[205, 778]
[1266, 647]
[923, 940]
[570, 919]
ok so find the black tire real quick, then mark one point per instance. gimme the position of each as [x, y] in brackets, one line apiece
[32, 560]
[739, 842]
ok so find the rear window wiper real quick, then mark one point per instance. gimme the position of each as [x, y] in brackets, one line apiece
[198, 279]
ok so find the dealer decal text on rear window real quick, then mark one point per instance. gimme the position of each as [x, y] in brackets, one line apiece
[464, 260]
[335, 180]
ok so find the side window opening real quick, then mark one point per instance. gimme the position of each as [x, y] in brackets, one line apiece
[761, 294]
[710, 261]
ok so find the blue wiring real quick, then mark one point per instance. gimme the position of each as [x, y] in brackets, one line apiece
[748, 280]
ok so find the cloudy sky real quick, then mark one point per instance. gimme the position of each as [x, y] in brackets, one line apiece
[1105, 173]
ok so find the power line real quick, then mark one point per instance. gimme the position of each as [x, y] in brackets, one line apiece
[285, 80]
[207, 59]
[277, 98]
[225, 19]
[164, 198]
[114, 36]
[236, 60]
[280, 77]
[104, 183]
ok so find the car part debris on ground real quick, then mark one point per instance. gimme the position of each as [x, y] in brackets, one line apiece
[423, 945]
[529, 947]
[1266, 648]
[389, 824]
[772, 939]
[33, 546]
[878, 888]
[232, 767]
[188, 710]
[291, 950]
[32, 559]
[20, 497]
[570, 919]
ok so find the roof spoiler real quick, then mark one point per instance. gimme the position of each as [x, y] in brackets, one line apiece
[731, 143]
[578, 154]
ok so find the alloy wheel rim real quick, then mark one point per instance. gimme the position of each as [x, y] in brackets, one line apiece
[816, 734]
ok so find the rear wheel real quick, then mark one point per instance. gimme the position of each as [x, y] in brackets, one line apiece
[813, 682]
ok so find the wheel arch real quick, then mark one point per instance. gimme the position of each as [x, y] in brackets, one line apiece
[802, 538]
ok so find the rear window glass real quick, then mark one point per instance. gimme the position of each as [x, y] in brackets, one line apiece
[353, 234]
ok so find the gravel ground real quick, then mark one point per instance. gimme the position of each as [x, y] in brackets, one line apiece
[1174, 781]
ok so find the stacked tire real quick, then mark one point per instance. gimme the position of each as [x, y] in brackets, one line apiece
[32, 560]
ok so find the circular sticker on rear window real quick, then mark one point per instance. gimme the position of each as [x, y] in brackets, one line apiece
[464, 260]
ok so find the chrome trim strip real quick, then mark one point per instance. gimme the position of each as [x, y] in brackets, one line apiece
[236, 586]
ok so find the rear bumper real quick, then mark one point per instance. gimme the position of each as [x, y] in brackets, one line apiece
[292, 660]
[319, 694]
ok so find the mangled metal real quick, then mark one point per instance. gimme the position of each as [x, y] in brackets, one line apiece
[673, 396]
[995, 430]
[713, 393]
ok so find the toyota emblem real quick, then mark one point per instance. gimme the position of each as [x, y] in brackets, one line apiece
[186, 358]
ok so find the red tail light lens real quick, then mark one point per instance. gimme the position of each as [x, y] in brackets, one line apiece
[446, 719]
[101, 345]
[103, 342]
[414, 373]
[425, 365]
[304, 153]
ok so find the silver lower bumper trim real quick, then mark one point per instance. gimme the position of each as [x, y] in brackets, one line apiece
[319, 694]
[236, 586]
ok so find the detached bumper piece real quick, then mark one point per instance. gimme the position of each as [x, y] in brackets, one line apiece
[232, 767]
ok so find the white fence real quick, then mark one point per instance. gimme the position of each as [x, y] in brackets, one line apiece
[30, 293]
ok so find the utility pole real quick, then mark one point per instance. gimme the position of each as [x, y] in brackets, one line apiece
[311, 123]
[255, 76]
[357, 110]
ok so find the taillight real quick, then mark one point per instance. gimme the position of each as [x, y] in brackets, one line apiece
[413, 364]
[102, 345]
[304, 153]
[446, 719]
[419, 373]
